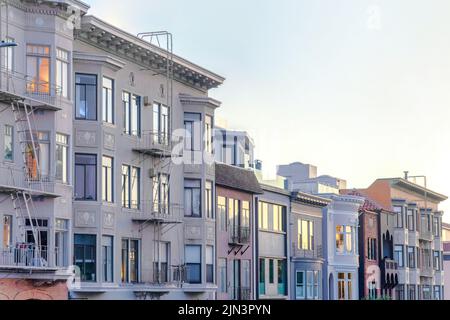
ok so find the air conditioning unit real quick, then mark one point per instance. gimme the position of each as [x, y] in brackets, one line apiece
[147, 101]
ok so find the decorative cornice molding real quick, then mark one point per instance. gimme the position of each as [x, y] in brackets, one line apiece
[194, 100]
[111, 62]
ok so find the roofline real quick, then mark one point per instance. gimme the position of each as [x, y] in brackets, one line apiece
[270, 188]
[415, 187]
[310, 198]
[145, 44]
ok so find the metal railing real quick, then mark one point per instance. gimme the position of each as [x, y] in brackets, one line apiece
[314, 253]
[20, 84]
[25, 255]
[238, 234]
[12, 177]
[157, 142]
[151, 210]
[241, 293]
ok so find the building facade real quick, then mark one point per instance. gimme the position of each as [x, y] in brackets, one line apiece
[235, 191]
[306, 256]
[418, 248]
[340, 225]
[234, 147]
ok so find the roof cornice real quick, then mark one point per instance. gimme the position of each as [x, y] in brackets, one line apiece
[196, 100]
[110, 61]
[418, 189]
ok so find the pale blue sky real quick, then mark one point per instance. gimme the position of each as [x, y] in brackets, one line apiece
[359, 88]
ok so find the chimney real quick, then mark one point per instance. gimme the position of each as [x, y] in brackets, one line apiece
[406, 174]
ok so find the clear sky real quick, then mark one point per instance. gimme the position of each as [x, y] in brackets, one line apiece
[359, 88]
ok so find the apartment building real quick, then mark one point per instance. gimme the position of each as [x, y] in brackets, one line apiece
[234, 147]
[306, 256]
[134, 218]
[446, 258]
[418, 248]
[36, 126]
[235, 192]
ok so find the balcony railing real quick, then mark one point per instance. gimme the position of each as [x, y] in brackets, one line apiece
[426, 234]
[148, 210]
[25, 255]
[315, 252]
[389, 273]
[157, 143]
[13, 178]
[238, 234]
[42, 93]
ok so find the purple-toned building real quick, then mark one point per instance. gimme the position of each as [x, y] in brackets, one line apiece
[235, 190]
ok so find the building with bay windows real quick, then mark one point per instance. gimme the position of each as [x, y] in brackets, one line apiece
[306, 256]
[235, 233]
[340, 225]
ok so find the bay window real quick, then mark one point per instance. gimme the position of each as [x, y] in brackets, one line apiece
[38, 69]
[62, 158]
[107, 179]
[85, 256]
[85, 177]
[108, 100]
[62, 72]
[193, 261]
[192, 198]
[85, 96]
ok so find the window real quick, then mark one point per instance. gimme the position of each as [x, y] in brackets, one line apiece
[245, 278]
[161, 193]
[262, 276]
[411, 292]
[245, 214]
[7, 231]
[107, 179]
[372, 290]
[372, 249]
[85, 177]
[132, 113]
[398, 255]
[222, 213]
[85, 256]
[344, 286]
[161, 267]
[300, 285]
[233, 218]
[400, 292]
[345, 239]
[410, 219]
[305, 229]
[426, 292]
[209, 200]
[436, 260]
[108, 100]
[192, 139]
[38, 69]
[436, 227]
[61, 242]
[208, 134]
[62, 158]
[161, 124]
[193, 263]
[263, 213]
[8, 57]
[107, 258]
[399, 219]
[85, 97]
[130, 261]
[277, 218]
[437, 292]
[282, 276]
[210, 264]
[62, 72]
[192, 198]
[411, 257]
[38, 158]
[271, 271]
[130, 187]
[223, 275]
[8, 143]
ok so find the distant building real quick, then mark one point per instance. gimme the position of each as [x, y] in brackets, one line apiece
[446, 251]
[303, 177]
[234, 147]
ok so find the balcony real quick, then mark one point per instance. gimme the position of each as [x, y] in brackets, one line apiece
[157, 213]
[27, 256]
[389, 273]
[315, 253]
[13, 179]
[426, 234]
[157, 144]
[17, 86]
[238, 235]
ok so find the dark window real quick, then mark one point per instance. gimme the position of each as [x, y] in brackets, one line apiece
[371, 249]
[132, 114]
[131, 187]
[108, 100]
[85, 256]
[271, 271]
[85, 177]
[107, 258]
[86, 96]
[193, 263]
